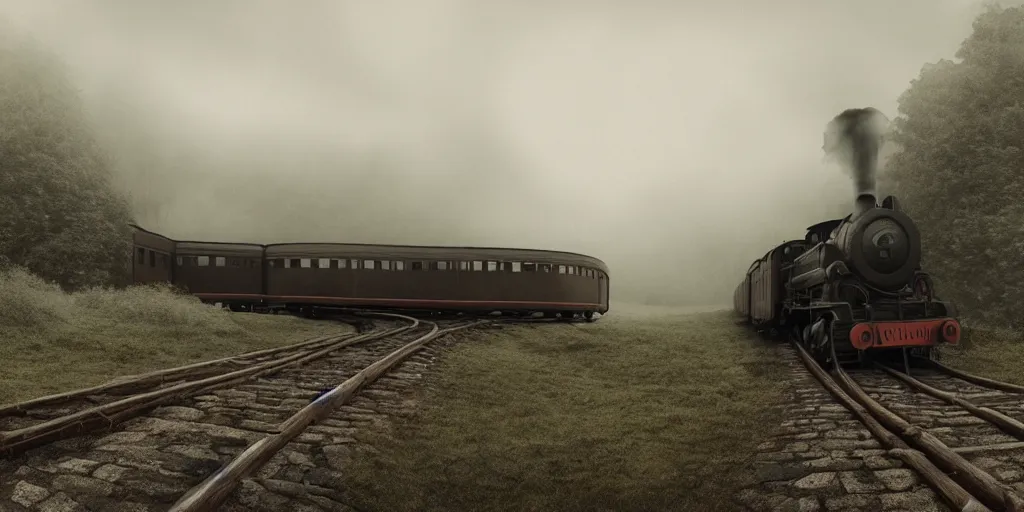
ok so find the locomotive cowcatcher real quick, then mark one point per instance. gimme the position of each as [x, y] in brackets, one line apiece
[852, 287]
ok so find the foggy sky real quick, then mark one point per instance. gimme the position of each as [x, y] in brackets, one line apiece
[675, 140]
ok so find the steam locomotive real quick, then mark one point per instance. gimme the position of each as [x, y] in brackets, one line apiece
[852, 287]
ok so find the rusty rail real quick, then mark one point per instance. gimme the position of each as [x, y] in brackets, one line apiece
[975, 379]
[982, 485]
[161, 376]
[108, 415]
[213, 491]
[1004, 422]
[951, 492]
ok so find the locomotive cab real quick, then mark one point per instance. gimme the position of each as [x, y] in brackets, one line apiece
[821, 231]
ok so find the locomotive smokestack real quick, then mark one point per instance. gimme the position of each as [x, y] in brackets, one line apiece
[854, 138]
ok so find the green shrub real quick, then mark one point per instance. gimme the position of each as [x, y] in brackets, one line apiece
[28, 301]
[31, 304]
[156, 305]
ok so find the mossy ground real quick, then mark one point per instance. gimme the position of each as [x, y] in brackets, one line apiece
[643, 410]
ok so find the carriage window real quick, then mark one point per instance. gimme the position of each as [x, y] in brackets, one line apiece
[219, 261]
[273, 263]
[517, 266]
[417, 265]
[443, 265]
[353, 264]
[181, 261]
[492, 266]
[463, 265]
[399, 265]
[529, 267]
[561, 269]
[324, 263]
[385, 265]
[478, 266]
[305, 263]
[432, 265]
[204, 261]
[141, 256]
[339, 263]
[501, 265]
[369, 264]
[545, 267]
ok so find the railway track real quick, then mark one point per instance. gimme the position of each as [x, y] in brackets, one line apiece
[973, 430]
[188, 438]
[936, 439]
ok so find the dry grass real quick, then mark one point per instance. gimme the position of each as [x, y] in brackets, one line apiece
[639, 411]
[52, 341]
[993, 353]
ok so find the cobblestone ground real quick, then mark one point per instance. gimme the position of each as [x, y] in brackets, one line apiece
[149, 462]
[822, 458]
[980, 442]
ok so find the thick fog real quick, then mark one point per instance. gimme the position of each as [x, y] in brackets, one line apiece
[675, 140]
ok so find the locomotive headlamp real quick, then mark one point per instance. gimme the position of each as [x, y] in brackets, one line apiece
[922, 288]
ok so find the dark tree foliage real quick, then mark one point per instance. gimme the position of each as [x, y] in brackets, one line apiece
[60, 214]
[960, 168]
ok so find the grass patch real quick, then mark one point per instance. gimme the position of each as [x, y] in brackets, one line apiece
[51, 341]
[989, 352]
[638, 411]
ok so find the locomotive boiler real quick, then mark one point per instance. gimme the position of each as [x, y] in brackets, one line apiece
[852, 286]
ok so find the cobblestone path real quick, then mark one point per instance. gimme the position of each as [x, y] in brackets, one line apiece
[149, 462]
[822, 458]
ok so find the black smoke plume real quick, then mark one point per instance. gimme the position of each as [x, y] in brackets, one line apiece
[853, 139]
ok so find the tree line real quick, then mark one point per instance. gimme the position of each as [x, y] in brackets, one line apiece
[959, 168]
[61, 216]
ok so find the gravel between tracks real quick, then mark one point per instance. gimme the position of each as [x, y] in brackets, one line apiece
[149, 462]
